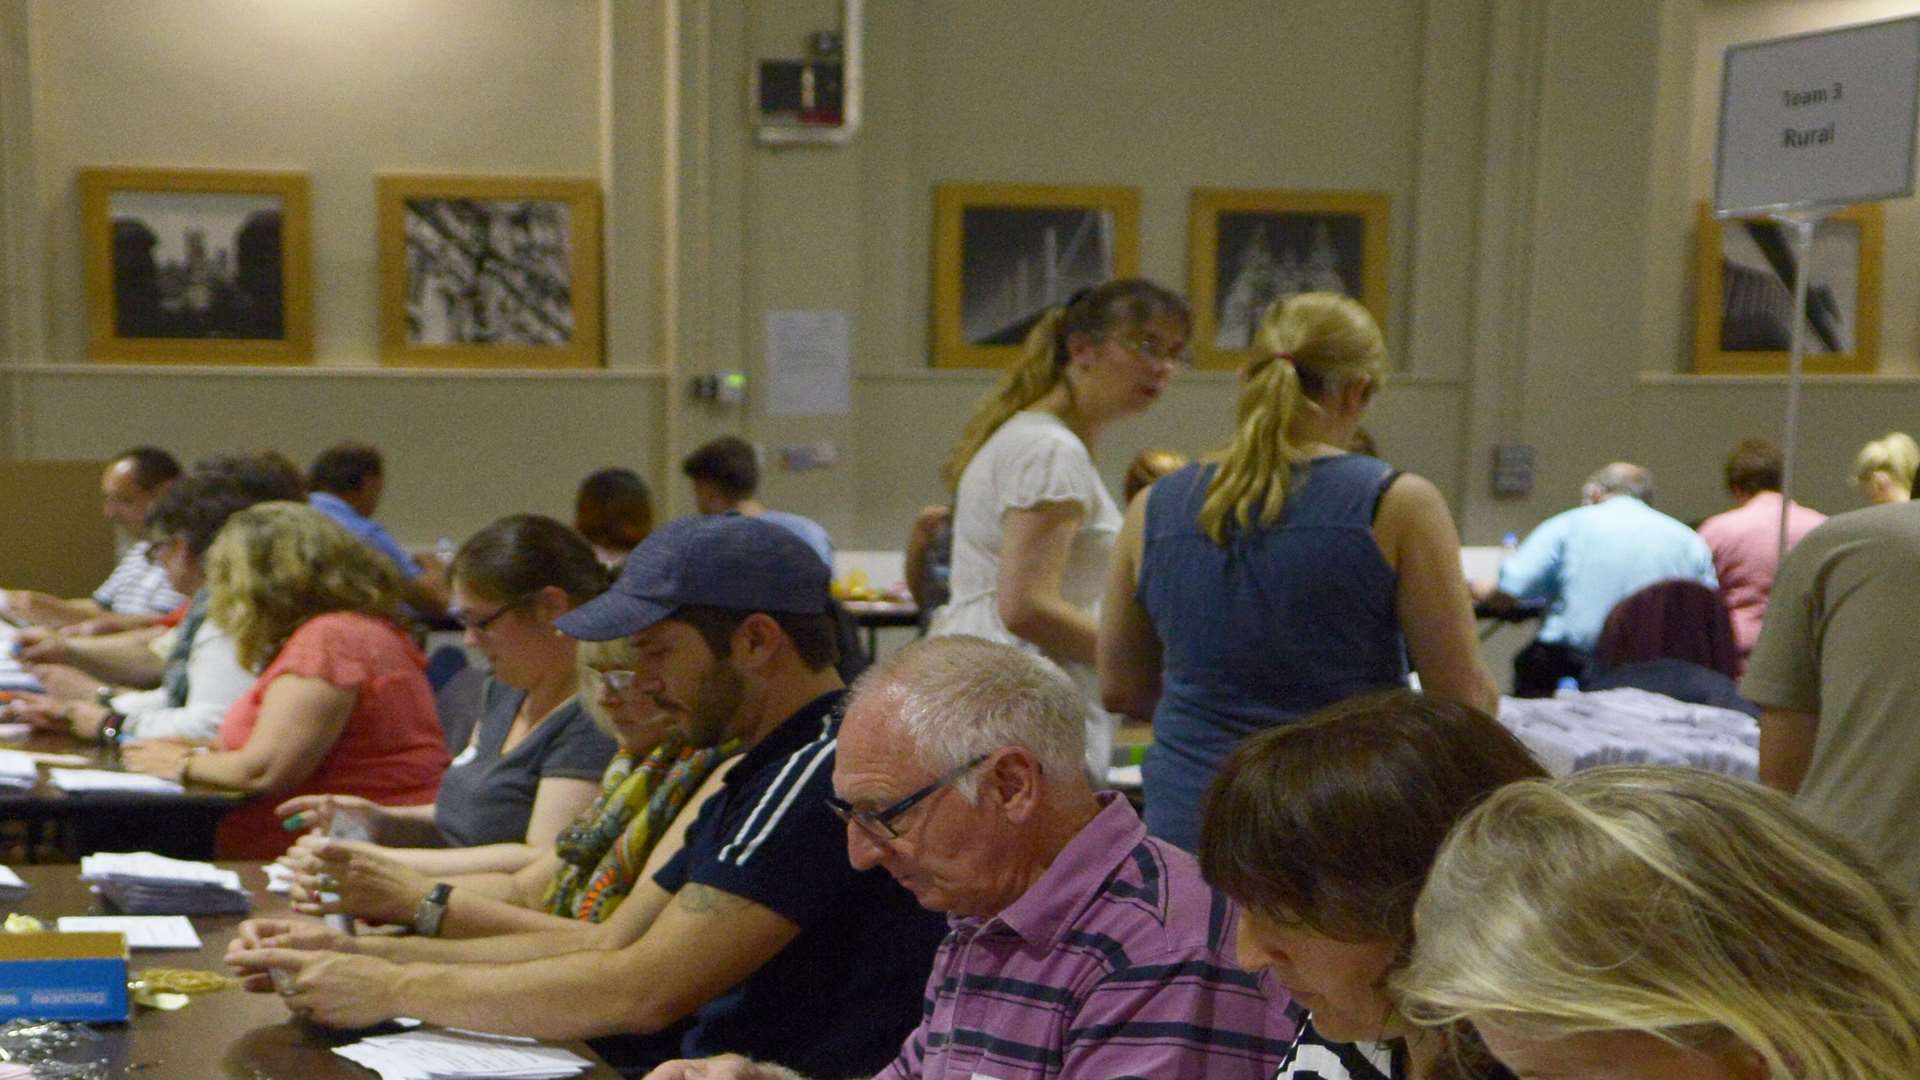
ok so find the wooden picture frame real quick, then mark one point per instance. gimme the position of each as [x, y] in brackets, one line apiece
[197, 266]
[1004, 253]
[489, 271]
[1744, 280]
[1234, 271]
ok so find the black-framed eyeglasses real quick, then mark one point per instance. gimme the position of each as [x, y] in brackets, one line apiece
[879, 823]
[481, 624]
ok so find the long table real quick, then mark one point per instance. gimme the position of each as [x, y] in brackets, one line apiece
[178, 825]
[227, 1034]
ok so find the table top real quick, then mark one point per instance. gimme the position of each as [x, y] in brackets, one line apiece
[227, 1034]
[48, 801]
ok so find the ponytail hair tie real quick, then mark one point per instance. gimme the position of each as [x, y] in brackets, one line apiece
[1287, 356]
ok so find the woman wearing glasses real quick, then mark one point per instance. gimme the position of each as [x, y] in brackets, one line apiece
[635, 823]
[535, 756]
[1033, 522]
[1283, 573]
[341, 702]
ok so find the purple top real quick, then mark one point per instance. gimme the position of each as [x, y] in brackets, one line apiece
[1119, 961]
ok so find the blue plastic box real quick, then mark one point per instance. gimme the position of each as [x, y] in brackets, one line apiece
[54, 976]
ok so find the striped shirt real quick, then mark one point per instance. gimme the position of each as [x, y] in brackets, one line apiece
[1118, 962]
[837, 1000]
[1314, 1058]
[136, 586]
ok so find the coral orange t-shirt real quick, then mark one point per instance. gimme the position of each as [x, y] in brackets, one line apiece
[390, 751]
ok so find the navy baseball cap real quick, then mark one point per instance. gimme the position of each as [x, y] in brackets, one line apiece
[723, 561]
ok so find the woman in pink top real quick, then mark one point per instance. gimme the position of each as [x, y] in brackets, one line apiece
[1745, 541]
[342, 704]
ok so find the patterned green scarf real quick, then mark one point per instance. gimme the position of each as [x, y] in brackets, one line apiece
[603, 850]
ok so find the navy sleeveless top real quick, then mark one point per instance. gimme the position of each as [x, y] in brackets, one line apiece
[1279, 622]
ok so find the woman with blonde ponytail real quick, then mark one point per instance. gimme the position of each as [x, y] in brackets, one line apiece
[1033, 522]
[1283, 573]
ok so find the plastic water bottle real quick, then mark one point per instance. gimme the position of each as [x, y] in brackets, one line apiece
[1567, 685]
[349, 823]
[443, 549]
[1509, 544]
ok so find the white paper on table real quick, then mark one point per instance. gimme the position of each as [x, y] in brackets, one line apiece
[808, 363]
[428, 1055]
[143, 931]
[145, 865]
[15, 732]
[279, 878]
[17, 769]
[71, 780]
[11, 880]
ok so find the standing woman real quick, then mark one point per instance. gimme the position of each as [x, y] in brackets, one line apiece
[1284, 573]
[1033, 522]
[341, 702]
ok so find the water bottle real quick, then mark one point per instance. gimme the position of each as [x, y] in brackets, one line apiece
[348, 823]
[1509, 544]
[443, 549]
[1568, 685]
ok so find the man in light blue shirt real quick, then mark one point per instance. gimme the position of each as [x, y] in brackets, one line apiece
[726, 473]
[347, 481]
[1584, 561]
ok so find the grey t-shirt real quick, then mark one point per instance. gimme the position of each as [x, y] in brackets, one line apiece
[486, 798]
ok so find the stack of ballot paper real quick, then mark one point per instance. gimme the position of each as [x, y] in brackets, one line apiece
[142, 931]
[11, 887]
[13, 674]
[18, 772]
[432, 1055]
[76, 780]
[143, 883]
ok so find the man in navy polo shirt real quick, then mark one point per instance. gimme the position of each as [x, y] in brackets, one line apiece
[757, 934]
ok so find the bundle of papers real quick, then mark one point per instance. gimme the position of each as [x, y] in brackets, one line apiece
[142, 931]
[11, 887]
[79, 780]
[1575, 731]
[433, 1055]
[143, 883]
[18, 772]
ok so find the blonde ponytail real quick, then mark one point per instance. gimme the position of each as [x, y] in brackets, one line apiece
[1041, 367]
[1123, 302]
[1306, 344]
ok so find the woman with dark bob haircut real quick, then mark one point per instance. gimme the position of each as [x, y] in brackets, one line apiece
[1323, 833]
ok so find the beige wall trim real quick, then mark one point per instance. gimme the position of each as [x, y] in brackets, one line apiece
[22, 247]
[1732, 382]
[201, 371]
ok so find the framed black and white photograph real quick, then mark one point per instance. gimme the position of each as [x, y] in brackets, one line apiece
[197, 266]
[1250, 248]
[489, 271]
[1005, 253]
[1744, 310]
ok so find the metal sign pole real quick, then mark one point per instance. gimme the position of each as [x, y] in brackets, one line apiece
[1799, 226]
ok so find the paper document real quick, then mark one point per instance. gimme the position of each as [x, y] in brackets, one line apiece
[18, 772]
[11, 887]
[75, 780]
[143, 931]
[431, 1055]
[808, 363]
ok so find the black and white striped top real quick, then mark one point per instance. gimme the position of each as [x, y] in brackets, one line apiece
[1314, 1058]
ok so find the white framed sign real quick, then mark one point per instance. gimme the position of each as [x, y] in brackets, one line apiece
[1820, 119]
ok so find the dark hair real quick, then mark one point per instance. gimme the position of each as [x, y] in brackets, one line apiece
[1754, 466]
[196, 506]
[152, 466]
[1335, 820]
[290, 472]
[520, 554]
[266, 476]
[341, 469]
[613, 509]
[727, 463]
[815, 637]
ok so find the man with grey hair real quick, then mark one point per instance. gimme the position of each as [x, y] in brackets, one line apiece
[1077, 945]
[1582, 562]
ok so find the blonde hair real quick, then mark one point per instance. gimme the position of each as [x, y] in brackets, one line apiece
[1124, 302]
[1149, 465]
[278, 564]
[1307, 344]
[1896, 454]
[1676, 903]
[593, 657]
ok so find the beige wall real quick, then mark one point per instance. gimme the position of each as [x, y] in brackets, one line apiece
[1541, 154]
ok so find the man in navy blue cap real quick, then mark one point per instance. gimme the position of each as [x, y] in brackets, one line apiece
[757, 937]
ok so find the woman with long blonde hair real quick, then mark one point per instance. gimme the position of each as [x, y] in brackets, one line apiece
[1283, 573]
[1656, 923]
[341, 703]
[1033, 521]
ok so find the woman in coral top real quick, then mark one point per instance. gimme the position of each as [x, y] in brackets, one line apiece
[342, 704]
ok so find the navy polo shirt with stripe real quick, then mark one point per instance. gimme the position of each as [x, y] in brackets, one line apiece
[841, 997]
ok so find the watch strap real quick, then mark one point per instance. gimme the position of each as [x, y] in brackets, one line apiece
[432, 909]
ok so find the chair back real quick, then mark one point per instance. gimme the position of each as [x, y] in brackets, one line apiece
[1676, 619]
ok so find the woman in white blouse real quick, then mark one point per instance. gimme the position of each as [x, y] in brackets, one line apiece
[1033, 522]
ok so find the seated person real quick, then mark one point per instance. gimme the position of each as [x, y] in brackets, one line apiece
[1745, 540]
[1322, 831]
[624, 838]
[1584, 561]
[342, 703]
[758, 931]
[1077, 945]
[346, 482]
[199, 676]
[726, 473]
[1651, 923]
[534, 758]
[1884, 468]
[614, 510]
[137, 587]
[928, 561]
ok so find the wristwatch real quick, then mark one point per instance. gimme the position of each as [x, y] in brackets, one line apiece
[110, 728]
[433, 908]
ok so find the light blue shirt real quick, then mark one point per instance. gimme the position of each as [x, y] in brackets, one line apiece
[806, 529]
[1586, 560]
[366, 530]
